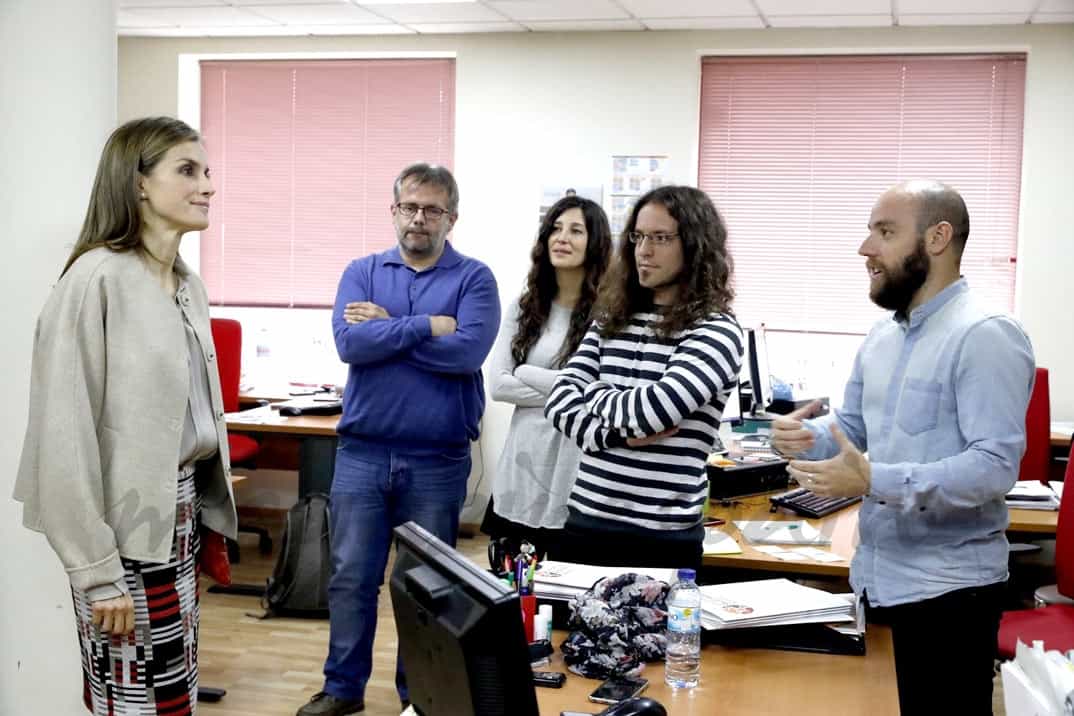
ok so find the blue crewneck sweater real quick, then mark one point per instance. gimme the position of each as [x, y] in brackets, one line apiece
[407, 389]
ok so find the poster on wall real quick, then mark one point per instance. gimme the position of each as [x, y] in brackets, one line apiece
[632, 176]
[551, 193]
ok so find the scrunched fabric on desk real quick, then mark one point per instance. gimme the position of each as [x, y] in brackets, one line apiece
[617, 626]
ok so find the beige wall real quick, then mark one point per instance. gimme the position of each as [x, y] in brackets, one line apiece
[550, 108]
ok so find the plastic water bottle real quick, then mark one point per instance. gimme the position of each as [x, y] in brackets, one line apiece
[682, 669]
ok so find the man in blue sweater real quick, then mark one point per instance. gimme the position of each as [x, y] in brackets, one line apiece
[414, 324]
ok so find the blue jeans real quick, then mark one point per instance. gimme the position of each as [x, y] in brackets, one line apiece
[374, 490]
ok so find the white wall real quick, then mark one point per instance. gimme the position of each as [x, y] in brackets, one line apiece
[58, 80]
[537, 109]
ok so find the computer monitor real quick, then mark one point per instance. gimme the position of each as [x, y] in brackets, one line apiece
[757, 363]
[460, 632]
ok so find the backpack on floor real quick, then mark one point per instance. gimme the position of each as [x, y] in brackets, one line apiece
[299, 582]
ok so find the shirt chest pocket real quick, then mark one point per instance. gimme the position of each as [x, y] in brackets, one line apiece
[919, 405]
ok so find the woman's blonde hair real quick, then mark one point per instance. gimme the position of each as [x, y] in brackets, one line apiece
[113, 218]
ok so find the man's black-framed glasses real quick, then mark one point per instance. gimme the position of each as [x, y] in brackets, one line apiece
[636, 237]
[432, 213]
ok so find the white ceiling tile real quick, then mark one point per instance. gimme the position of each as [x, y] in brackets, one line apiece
[438, 12]
[1050, 17]
[583, 25]
[289, 2]
[1054, 6]
[688, 8]
[203, 16]
[126, 19]
[316, 14]
[825, 7]
[702, 23]
[454, 28]
[217, 31]
[170, 3]
[938, 20]
[965, 7]
[388, 29]
[550, 10]
[830, 20]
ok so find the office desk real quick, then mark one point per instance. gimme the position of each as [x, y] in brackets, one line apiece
[317, 449]
[1060, 440]
[841, 526]
[758, 682]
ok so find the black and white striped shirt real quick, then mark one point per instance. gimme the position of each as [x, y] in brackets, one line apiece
[636, 384]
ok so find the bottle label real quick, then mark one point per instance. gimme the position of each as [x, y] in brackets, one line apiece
[683, 619]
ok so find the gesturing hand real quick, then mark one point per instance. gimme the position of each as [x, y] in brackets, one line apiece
[848, 474]
[363, 311]
[789, 436]
[115, 615]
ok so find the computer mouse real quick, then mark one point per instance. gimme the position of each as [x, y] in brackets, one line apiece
[637, 706]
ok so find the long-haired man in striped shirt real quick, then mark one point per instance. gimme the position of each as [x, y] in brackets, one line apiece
[644, 392]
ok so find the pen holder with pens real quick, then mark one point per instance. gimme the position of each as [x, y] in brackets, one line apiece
[529, 614]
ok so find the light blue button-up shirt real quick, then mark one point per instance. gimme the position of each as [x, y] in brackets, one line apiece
[938, 400]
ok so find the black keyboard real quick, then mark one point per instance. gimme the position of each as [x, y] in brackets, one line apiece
[807, 504]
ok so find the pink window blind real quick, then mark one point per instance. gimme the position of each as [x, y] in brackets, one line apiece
[795, 151]
[303, 155]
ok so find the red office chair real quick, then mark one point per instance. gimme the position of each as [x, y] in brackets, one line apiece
[1034, 466]
[1053, 624]
[227, 336]
[1038, 453]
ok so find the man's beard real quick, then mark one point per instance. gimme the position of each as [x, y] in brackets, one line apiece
[420, 247]
[897, 289]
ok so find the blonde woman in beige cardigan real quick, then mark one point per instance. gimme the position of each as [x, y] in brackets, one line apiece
[126, 448]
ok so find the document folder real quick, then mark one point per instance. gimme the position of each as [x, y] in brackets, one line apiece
[819, 638]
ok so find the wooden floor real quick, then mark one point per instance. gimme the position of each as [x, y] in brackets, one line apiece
[273, 667]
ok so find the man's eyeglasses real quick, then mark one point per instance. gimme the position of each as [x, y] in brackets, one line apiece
[636, 237]
[432, 213]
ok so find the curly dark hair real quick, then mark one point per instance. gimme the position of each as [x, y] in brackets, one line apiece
[704, 283]
[536, 301]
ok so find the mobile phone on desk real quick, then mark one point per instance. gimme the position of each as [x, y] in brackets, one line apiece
[618, 689]
[549, 679]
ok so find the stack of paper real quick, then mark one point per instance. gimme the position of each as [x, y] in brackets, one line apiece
[770, 602]
[719, 542]
[1032, 495]
[565, 580]
[781, 532]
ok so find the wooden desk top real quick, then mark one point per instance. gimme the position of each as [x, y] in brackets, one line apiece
[273, 422]
[1060, 440]
[841, 526]
[758, 682]
[1039, 521]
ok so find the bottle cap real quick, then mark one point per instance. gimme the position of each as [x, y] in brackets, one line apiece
[687, 574]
